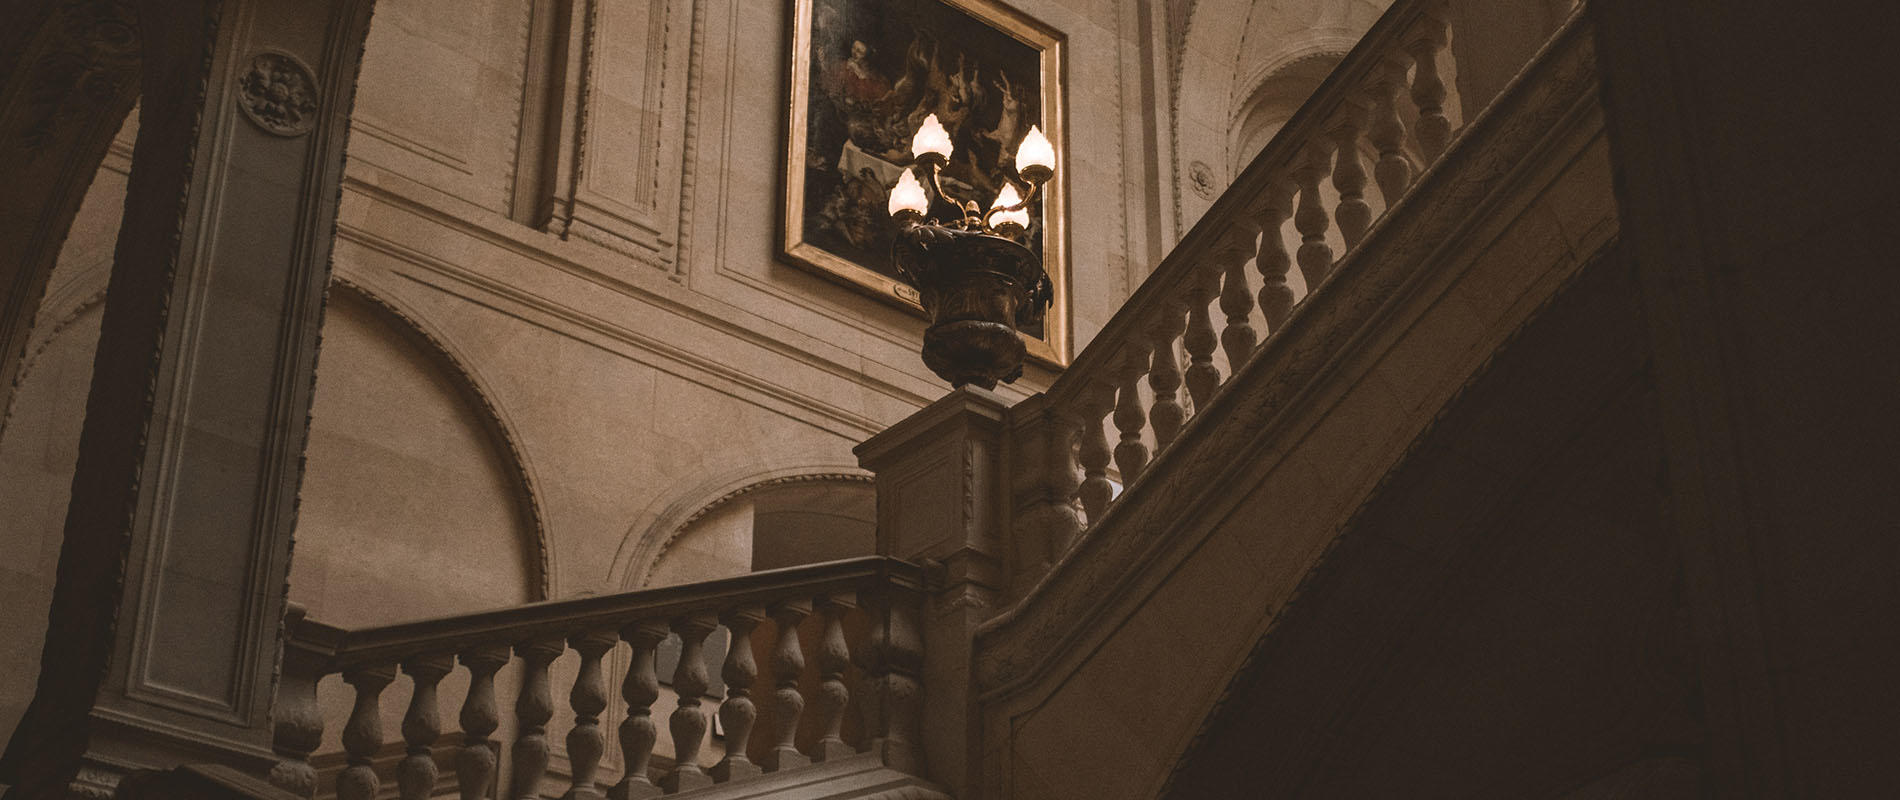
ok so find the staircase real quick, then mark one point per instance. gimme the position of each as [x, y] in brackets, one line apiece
[1061, 605]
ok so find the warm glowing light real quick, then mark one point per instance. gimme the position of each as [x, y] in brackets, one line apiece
[1004, 199]
[932, 138]
[1035, 151]
[908, 195]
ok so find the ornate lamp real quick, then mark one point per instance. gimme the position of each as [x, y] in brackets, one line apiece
[979, 281]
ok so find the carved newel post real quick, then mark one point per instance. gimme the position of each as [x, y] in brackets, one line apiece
[941, 499]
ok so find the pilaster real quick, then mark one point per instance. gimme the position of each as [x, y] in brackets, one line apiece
[166, 618]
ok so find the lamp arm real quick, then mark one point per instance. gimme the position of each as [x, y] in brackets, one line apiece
[930, 174]
[1028, 197]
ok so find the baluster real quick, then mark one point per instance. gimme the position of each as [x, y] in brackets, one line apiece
[533, 709]
[1428, 87]
[1316, 257]
[296, 721]
[363, 734]
[1164, 376]
[1096, 400]
[688, 722]
[1394, 170]
[834, 657]
[788, 663]
[475, 764]
[892, 662]
[1203, 378]
[1238, 339]
[585, 743]
[1131, 454]
[421, 726]
[1276, 297]
[737, 713]
[637, 732]
[1046, 520]
[1354, 215]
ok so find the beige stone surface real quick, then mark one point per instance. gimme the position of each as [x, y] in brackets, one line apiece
[505, 413]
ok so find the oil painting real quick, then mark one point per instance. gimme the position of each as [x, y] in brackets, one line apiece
[864, 75]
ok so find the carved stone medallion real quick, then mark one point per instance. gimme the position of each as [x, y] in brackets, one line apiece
[279, 94]
[1201, 178]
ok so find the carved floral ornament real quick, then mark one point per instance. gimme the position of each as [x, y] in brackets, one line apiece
[279, 94]
[1201, 178]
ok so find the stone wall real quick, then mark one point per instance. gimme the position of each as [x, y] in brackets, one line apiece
[547, 355]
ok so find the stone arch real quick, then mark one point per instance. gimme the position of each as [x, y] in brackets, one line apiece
[672, 517]
[1271, 98]
[88, 285]
[72, 81]
[494, 417]
[1230, 49]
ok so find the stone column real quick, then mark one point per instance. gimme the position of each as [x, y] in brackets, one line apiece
[941, 500]
[166, 618]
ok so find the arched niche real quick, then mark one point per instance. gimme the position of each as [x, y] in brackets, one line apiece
[1230, 52]
[765, 521]
[414, 501]
[1272, 102]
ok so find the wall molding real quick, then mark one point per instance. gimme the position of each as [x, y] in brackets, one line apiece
[495, 419]
[646, 543]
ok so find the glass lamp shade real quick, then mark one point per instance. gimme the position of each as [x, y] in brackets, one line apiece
[1035, 154]
[908, 195]
[1004, 199]
[931, 138]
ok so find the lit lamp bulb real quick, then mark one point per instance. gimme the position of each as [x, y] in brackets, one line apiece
[1003, 219]
[931, 138]
[1035, 157]
[908, 196]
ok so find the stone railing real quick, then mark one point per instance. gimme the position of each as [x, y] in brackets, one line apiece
[885, 592]
[1375, 124]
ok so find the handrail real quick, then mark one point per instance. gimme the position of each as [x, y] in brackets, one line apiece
[1555, 82]
[342, 649]
[1359, 111]
[1240, 203]
[887, 592]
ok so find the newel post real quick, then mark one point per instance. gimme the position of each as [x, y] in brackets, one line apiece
[941, 500]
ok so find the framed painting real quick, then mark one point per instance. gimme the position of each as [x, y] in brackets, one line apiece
[864, 75]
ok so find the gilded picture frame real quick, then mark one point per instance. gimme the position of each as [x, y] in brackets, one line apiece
[863, 73]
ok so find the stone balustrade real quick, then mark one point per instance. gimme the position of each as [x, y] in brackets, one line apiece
[885, 666]
[1375, 125]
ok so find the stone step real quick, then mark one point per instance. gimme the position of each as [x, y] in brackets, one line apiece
[858, 777]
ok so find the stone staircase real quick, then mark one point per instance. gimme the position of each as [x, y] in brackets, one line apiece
[1055, 572]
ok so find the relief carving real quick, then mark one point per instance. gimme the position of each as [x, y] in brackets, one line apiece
[279, 94]
[96, 56]
[1201, 177]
